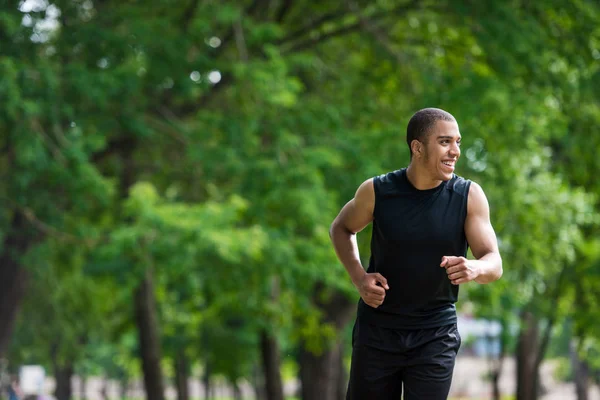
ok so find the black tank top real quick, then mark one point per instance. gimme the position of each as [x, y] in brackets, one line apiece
[412, 230]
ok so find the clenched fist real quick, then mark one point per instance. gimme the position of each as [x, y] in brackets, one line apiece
[459, 269]
[370, 292]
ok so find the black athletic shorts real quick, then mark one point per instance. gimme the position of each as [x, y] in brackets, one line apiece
[387, 361]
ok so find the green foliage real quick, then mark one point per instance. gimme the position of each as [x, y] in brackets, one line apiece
[118, 141]
[564, 370]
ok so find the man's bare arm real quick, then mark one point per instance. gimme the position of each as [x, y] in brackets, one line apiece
[483, 242]
[353, 218]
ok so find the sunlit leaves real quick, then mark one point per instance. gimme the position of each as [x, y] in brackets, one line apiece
[234, 181]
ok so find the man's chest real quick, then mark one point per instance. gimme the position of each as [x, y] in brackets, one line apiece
[408, 219]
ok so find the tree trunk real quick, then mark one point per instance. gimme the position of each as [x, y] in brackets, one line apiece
[342, 383]
[123, 388]
[181, 376]
[497, 395]
[104, 389]
[323, 375]
[319, 374]
[206, 379]
[13, 277]
[581, 374]
[63, 375]
[237, 392]
[498, 363]
[271, 366]
[531, 347]
[271, 359]
[526, 358]
[147, 324]
[82, 387]
[258, 384]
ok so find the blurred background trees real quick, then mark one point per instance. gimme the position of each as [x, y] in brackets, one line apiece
[169, 171]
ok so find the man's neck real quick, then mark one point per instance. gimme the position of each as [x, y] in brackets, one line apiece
[419, 178]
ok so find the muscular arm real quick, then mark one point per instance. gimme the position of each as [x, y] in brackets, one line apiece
[487, 267]
[353, 218]
[481, 237]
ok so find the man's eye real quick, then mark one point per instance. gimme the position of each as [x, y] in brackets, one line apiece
[459, 143]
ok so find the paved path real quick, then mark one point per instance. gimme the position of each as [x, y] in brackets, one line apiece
[469, 384]
[469, 381]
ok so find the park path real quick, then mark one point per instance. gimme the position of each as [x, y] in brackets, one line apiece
[469, 384]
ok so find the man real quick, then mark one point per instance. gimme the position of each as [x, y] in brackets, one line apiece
[424, 217]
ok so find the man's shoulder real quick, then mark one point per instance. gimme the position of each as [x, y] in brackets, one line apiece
[459, 185]
[391, 177]
[388, 183]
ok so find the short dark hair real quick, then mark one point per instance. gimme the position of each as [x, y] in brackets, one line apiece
[421, 123]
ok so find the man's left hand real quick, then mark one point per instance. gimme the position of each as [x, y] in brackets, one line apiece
[459, 269]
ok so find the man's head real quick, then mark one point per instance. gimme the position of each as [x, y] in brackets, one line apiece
[433, 138]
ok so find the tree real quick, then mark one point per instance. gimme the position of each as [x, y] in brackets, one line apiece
[128, 144]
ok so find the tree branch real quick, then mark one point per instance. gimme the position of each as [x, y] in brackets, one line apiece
[380, 36]
[50, 230]
[322, 38]
[284, 9]
[226, 38]
[53, 147]
[302, 45]
[117, 145]
[187, 109]
[316, 24]
[253, 7]
[239, 40]
[44, 227]
[169, 126]
[188, 15]
[551, 320]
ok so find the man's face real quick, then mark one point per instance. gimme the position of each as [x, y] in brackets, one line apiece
[442, 150]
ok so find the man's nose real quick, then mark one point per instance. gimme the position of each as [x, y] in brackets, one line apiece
[455, 150]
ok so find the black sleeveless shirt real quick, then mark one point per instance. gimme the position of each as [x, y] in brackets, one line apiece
[412, 230]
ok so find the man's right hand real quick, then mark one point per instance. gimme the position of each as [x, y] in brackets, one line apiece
[371, 293]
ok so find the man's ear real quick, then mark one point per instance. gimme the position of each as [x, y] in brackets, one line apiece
[416, 147]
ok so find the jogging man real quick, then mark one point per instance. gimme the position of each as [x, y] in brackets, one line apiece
[424, 218]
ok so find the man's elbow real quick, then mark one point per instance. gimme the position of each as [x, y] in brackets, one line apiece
[338, 229]
[333, 228]
[499, 269]
[493, 270]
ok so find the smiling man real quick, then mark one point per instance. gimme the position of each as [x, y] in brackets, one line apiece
[424, 217]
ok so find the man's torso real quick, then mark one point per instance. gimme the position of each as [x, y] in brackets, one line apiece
[412, 230]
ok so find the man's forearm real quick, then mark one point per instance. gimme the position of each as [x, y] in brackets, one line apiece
[346, 248]
[490, 268]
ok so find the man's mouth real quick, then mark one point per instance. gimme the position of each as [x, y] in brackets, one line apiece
[449, 163]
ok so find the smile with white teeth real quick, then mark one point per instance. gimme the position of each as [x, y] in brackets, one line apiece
[448, 163]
